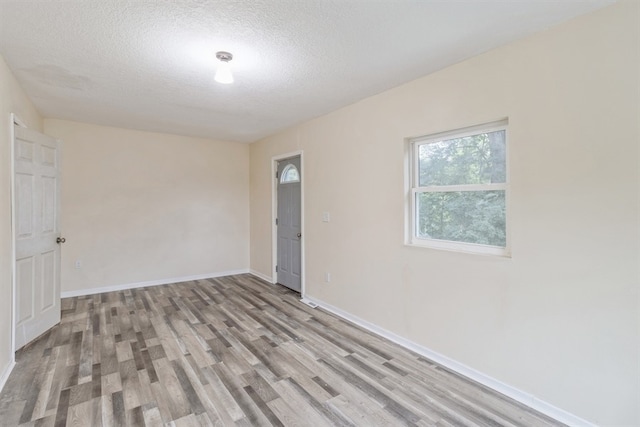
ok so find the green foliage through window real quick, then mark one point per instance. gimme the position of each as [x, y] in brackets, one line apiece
[476, 159]
[460, 193]
[463, 216]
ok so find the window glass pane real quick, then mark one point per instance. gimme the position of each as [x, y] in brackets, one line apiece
[290, 174]
[475, 159]
[462, 216]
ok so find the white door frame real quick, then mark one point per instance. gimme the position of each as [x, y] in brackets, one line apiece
[13, 120]
[274, 215]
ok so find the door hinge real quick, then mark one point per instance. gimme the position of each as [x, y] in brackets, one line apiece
[276, 221]
[277, 173]
[276, 268]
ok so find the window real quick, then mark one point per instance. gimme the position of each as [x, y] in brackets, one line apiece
[458, 195]
[290, 174]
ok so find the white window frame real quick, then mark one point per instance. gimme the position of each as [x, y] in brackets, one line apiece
[414, 189]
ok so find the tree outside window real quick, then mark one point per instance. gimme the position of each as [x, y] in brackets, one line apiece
[459, 191]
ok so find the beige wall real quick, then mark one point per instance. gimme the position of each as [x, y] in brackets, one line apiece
[141, 206]
[12, 100]
[558, 320]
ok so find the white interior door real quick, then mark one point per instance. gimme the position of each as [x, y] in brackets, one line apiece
[37, 234]
[289, 224]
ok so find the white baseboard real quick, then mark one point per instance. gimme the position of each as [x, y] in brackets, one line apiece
[512, 392]
[5, 375]
[261, 276]
[92, 291]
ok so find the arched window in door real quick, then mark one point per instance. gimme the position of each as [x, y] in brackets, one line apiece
[290, 174]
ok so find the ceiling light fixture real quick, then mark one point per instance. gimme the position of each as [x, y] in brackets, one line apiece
[223, 73]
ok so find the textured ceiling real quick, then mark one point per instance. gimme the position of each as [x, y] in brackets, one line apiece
[150, 64]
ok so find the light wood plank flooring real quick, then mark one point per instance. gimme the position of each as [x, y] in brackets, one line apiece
[233, 351]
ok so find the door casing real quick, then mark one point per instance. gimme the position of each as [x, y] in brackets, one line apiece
[274, 215]
[13, 121]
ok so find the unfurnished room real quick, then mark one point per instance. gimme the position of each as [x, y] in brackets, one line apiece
[320, 213]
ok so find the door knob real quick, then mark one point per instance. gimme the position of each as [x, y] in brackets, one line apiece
[299, 235]
[60, 240]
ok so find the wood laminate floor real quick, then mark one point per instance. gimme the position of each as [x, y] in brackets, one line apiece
[233, 351]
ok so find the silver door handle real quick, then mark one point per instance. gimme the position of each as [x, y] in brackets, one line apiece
[299, 235]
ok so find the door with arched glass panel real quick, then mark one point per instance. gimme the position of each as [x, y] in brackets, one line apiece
[289, 225]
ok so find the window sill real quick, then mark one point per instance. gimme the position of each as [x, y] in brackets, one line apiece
[467, 248]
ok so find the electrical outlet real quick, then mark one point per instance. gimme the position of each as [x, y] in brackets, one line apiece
[326, 217]
[78, 264]
[327, 277]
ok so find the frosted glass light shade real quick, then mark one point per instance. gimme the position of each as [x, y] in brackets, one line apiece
[223, 73]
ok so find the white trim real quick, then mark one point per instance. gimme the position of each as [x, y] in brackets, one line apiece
[409, 212]
[455, 188]
[274, 215]
[262, 276]
[460, 368]
[6, 373]
[18, 121]
[168, 281]
[302, 246]
[494, 126]
[461, 247]
[13, 120]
